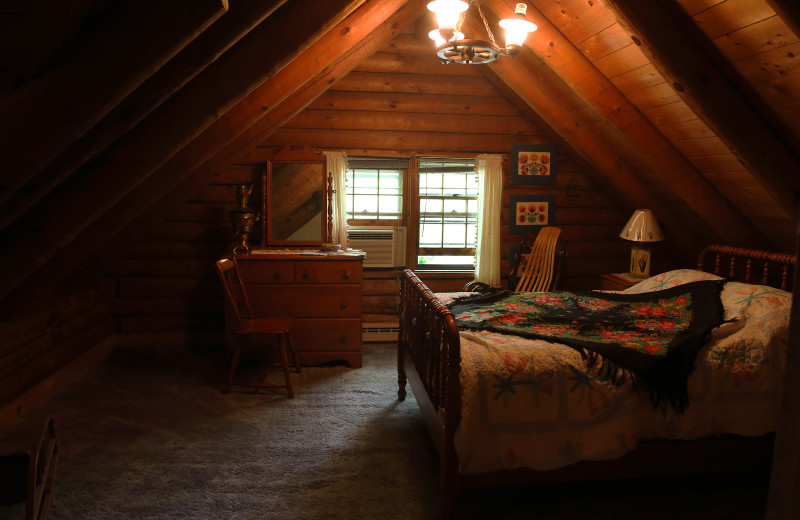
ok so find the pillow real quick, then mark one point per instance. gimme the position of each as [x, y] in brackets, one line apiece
[670, 279]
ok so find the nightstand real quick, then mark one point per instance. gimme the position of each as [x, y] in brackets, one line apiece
[617, 281]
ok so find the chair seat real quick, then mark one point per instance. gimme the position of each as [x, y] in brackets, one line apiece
[281, 327]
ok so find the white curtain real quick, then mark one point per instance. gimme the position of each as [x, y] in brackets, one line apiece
[337, 166]
[490, 210]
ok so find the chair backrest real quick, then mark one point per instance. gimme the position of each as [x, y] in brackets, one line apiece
[228, 271]
[539, 273]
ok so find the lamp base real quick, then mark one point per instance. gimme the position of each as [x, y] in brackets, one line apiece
[640, 260]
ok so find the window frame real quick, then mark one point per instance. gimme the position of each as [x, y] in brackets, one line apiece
[417, 217]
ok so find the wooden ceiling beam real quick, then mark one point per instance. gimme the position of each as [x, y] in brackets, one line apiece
[94, 193]
[368, 29]
[667, 37]
[48, 113]
[656, 151]
[627, 185]
[789, 12]
[196, 56]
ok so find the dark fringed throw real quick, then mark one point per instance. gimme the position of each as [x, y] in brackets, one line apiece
[650, 338]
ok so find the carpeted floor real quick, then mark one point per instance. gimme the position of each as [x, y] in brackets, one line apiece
[147, 435]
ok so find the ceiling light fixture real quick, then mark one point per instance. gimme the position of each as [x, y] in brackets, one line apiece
[451, 47]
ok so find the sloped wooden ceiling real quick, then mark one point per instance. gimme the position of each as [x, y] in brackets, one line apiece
[114, 111]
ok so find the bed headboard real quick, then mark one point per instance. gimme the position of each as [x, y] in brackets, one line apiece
[749, 265]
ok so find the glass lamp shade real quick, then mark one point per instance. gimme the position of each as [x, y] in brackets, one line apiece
[517, 28]
[642, 227]
[448, 15]
[436, 36]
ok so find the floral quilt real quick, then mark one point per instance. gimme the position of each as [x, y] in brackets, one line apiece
[538, 404]
[651, 338]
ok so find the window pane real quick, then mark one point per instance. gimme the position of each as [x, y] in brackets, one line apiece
[454, 235]
[430, 206]
[430, 235]
[455, 206]
[374, 193]
[448, 211]
[365, 204]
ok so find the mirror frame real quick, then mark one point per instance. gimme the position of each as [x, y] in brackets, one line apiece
[295, 156]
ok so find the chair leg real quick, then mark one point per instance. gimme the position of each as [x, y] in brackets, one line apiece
[234, 361]
[294, 352]
[285, 362]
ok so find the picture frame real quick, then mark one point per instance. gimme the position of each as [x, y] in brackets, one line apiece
[534, 164]
[528, 213]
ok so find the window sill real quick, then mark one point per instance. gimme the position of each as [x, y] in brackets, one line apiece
[434, 273]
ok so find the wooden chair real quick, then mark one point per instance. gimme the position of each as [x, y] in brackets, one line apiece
[542, 253]
[27, 475]
[541, 270]
[276, 327]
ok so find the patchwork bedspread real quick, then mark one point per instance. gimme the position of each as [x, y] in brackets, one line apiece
[536, 404]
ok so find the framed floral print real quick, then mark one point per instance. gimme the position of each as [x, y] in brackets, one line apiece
[531, 212]
[533, 164]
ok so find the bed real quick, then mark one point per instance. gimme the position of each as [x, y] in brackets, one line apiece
[508, 410]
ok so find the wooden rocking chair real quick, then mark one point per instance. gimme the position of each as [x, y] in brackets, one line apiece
[540, 271]
[536, 266]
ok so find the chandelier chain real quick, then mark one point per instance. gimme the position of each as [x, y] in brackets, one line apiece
[485, 23]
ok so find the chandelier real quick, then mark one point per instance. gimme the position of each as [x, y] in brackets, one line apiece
[452, 47]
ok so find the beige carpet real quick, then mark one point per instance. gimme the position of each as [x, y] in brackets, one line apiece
[147, 434]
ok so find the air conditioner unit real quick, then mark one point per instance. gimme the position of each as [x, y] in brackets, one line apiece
[380, 332]
[385, 245]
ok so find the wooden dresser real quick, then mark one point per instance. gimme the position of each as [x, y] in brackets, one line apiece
[322, 292]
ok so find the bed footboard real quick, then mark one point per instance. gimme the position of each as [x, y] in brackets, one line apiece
[429, 359]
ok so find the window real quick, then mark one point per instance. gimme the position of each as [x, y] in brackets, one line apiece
[375, 188]
[448, 213]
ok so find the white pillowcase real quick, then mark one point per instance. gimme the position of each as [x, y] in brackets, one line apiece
[670, 279]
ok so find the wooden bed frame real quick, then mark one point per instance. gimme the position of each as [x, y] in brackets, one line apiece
[429, 359]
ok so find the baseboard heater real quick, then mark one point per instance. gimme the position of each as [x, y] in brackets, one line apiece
[380, 332]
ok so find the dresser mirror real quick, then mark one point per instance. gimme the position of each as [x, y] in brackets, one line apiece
[296, 199]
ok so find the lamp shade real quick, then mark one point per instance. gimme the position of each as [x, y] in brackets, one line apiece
[517, 28]
[642, 227]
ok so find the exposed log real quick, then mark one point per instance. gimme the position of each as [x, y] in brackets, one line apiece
[666, 36]
[291, 90]
[659, 154]
[420, 142]
[93, 194]
[789, 12]
[392, 102]
[196, 56]
[48, 113]
[366, 120]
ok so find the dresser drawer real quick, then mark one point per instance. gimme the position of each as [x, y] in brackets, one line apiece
[305, 301]
[327, 334]
[327, 272]
[266, 272]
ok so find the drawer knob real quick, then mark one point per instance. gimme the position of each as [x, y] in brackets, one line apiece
[343, 338]
[306, 274]
[278, 274]
[343, 304]
[347, 274]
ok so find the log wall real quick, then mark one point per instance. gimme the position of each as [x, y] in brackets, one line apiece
[399, 102]
[37, 340]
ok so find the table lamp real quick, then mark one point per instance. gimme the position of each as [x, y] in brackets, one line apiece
[641, 229]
